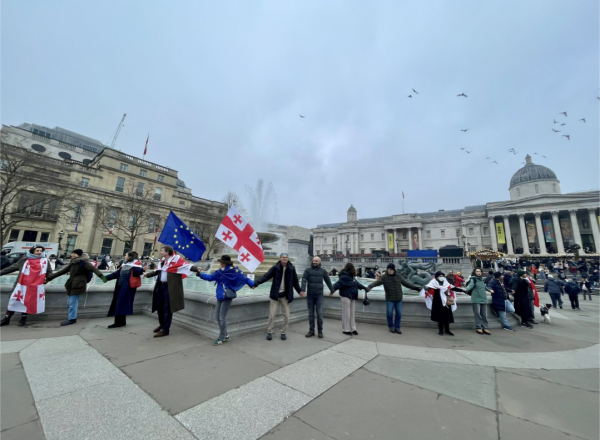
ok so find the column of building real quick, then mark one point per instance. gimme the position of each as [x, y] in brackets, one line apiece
[540, 233]
[524, 239]
[507, 236]
[595, 231]
[420, 232]
[410, 239]
[575, 226]
[557, 233]
[493, 232]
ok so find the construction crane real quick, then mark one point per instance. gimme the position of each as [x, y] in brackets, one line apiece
[116, 135]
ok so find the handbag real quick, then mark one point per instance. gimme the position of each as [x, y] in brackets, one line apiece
[510, 308]
[135, 282]
[230, 294]
[366, 300]
[450, 300]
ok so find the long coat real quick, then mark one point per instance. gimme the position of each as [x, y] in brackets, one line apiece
[440, 313]
[78, 270]
[521, 295]
[123, 296]
[175, 286]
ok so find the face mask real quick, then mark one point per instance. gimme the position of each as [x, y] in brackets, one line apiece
[441, 279]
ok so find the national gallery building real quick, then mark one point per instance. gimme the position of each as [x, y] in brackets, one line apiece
[538, 219]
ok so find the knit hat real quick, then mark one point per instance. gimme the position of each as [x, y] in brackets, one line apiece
[520, 273]
[439, 273]
[78, 252]
[391, 266]
[497, 274]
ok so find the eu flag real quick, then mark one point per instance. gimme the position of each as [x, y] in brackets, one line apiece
[177, 234]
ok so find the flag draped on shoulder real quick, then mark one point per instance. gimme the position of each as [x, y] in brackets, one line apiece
[176, 264]
[237, 233]
[29, 295]
[177, 234]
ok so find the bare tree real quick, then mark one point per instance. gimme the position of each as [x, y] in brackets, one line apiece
[26, 196]
[134, 213]
[233, 199]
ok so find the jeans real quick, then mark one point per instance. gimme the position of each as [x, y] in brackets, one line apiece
[480, 313]
[315, 302]
[556, 299]
[542, 275]
[503, 318]
[163, 309]
[574, 301]
[73, 303]
[221, 310]
[394, 322]
[285, 310]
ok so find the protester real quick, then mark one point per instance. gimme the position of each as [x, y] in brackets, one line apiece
[499, 300]
[521, 292]
[333, 272]
[489, 277]
[555, 289]
[477, 288]
[312, 284]
[167, 297]
[441, 300]
[585, 282]
[458, 279]
[534, 271]
[392, 285]
[285, 280]
[573, 290]
[128, 280]
[348, 287]
[28, 295]
[534, 299]
[80, 273]
[228, 279]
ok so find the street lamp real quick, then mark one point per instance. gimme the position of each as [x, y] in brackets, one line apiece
[61, 234]
[397, 245]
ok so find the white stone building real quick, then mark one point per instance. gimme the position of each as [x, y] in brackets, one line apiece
[538, 219]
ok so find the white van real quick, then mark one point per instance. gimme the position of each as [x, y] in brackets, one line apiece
[24, 246]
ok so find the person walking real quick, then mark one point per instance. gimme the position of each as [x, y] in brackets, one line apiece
[312, 284]
[489, 277]
[285, 281]
[521, 292]
[555, 290]
[392, 285]
[168, 297]
[500, 299]
[348, 287]
[477, 288]
[80, 273]
[534, 271]
[585, 282]
[28, 293]
[228, 279]
[441, 300]
[128, 280]
[573, 290]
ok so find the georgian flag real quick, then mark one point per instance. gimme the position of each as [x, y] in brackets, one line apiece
[29, 295]
[176, 264]
[238, 234]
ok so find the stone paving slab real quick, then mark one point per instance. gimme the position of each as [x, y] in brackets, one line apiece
[43, 329]
[28, 431]
[15, 346]
[53, 346]
[357, 348]
[573, 359]
[295, 429]
[584, 379]
[329, 368]
[16, 401]
[486, 358]
[422, 353]
[245, 413]
[515, 428]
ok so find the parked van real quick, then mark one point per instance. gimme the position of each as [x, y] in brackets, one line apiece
[24, 246]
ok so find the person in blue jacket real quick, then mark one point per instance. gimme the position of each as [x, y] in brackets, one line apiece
[228, 279]
[127, 276]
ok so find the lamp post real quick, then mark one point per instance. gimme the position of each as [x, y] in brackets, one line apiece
[397, 245]
[61, 234]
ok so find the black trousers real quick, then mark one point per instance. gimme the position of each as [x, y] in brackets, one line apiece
[10, 313]
[164, 308]
[443, 326]
[574, 301]
[121, 320]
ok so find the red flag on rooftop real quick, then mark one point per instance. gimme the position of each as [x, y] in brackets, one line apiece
[146, 147]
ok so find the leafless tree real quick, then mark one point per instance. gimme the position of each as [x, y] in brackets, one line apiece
[233, 199]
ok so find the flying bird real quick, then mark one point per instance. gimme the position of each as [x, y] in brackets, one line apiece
[563, 113]
[562, 124]
[462, 94]
[468, 152]
[410, 96]
[556, 131]
[462, 148]
[512, 150]
[555, 121]
[415, 91]
[301, 116]
[567, 136]
[495, 162]
[582, 119]
[487, 157]
[516, 152]
[544, 157]
[534, 153]
[464, 130]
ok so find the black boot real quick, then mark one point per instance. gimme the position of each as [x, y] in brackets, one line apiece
[5, 320]
[22, 321]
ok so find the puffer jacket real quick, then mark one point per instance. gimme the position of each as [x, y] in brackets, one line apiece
[572, 288]
[392, 285]
[78, 271]
[478, 290]
[312, 280]
[348, 286]
[553, 286]
[499, 296]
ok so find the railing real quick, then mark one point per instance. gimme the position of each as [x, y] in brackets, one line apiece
[158, 167]
[143, 162]
[126, 156]
[40, 138]
[451, 260]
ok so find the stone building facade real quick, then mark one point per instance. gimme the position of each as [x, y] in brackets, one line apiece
[100, 175]
[538, 219]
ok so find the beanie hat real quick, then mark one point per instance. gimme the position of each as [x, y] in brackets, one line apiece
[521, 273]
[78, 252]
[497, 274]
[391, 266]
[439, 273]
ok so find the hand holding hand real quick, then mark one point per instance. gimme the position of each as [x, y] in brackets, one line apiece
[302, 294]
[330, 293]
[104, 280]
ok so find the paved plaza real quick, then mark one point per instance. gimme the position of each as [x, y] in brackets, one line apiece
[87, 382]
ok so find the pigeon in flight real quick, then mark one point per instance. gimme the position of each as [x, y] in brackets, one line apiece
[515, 152]
[567, 136]
[556, 131]
[544, 157]
[563, 113]
[462, 94]
[468, 152]
[462, 148]
[562, 124]
[583, 119]
[512, 150]
[464, 130]
[535, 153]
[410, 96]
[555, 121]
[495, 162]
[487, 157]
[301, 116]
[415, 91]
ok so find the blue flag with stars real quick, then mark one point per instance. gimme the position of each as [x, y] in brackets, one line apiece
[177, 234]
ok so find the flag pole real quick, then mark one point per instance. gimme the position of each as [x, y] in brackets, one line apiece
[402, 202]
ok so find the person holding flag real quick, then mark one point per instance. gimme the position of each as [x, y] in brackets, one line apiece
[128, 280]
[28, 295]
[168, 295]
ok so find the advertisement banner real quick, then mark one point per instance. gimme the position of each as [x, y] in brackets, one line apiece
[531, 231]
[566, 229]
[390, 241]
[548, 231]
[500, 233]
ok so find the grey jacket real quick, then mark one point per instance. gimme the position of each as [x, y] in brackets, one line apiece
[313, 278]
[553, 286]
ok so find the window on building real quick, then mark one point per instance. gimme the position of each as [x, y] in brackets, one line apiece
[120, 184]
[554, 187]
[157, 193]
[427, 234]
[362, 237]
[106, 246]
[140, 189]
[443, 233]
[537, 189]
[14, 235]
[471, 231]
[30, 235]
[112, 218]
[161, 178]
[70, 246]
[458, 232]
[318, 252]
[151, 224]
[131, 221]
[143, 173]
[472, 248]
[325, 251]
[147, 249]
[404, 235]
[44, 237]
[518, 192]
[585, 224]
[52, 207]
[347, 237]
[324, 239]
[383, 237]
[181, 202]
[77, 213]
[362, 251]
[42, 133]
[372, 237]
[124, 167]
[485, 230]
[84, 182]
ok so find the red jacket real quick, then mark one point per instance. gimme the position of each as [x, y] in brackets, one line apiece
[458, 281]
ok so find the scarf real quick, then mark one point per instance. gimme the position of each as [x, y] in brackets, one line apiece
[134, 263]
[29, 295]
[176, 264]
[444, 292]
[36, 257]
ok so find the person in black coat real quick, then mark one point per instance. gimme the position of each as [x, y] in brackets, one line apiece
[127, 276]
[348, 288]
[499, 297]
[521, 294]
[285, 281]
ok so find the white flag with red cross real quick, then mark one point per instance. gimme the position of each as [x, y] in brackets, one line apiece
[237, 233]
[29, 295]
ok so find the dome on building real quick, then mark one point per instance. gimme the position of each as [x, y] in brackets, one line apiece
[531, 172]
[352, 209]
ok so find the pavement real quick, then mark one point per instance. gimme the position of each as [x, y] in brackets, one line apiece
[85, 381]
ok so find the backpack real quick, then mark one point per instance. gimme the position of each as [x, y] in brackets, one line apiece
[89, 274]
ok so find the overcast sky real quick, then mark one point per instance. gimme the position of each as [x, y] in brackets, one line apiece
[220, 86]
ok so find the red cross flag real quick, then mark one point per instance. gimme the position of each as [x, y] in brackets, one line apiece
[29, 295]
[237, 233]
